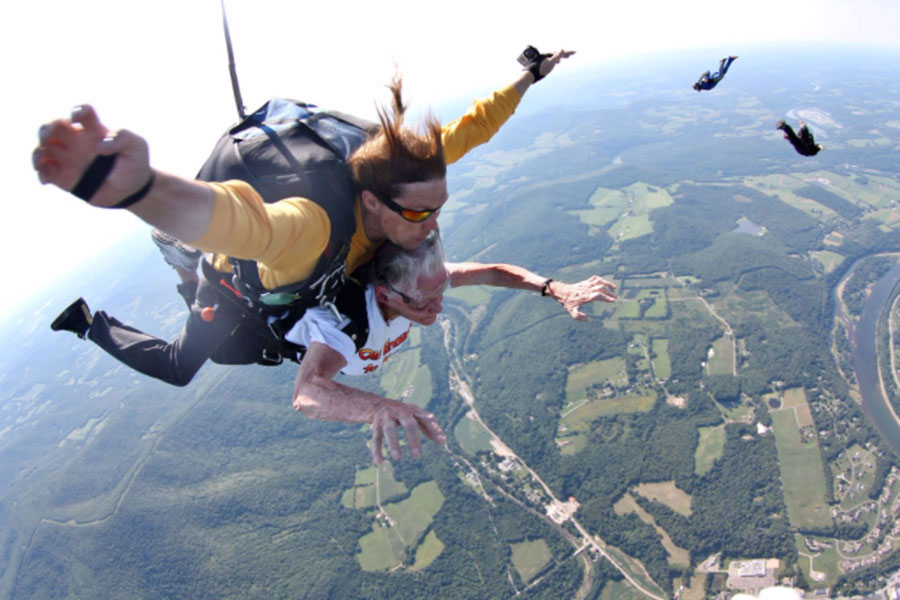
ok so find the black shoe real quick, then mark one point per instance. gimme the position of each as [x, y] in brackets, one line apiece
[176, 253]
[76, 318]
[780, 125]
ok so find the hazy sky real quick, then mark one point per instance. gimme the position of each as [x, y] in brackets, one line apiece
[159, 68]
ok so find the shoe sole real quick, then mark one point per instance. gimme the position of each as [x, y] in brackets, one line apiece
[174, 252]
[59, 322]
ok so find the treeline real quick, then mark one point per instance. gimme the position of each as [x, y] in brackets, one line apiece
[867, 272]
[248, 504]
[739, 491]
[843, 207]
[525, 228]
[805, 301]
[796, 355]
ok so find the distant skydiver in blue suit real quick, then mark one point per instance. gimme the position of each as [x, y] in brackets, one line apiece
[707, 81]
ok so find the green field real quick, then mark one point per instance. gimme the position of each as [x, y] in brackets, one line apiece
[571, 444]
[530, 557]
[380, 550]
[647, 198]
[582, 377]
[405, 378]
[607, 206]
[720, 360]
[677, 556]
[579, 419]
[888, 217]
[801, 473]
[829, 260]
[878, 193]
[709, 448]
[373, 484]
[428, 550]
[414, 515]
[661, 281]
[667, 493]
[636, 570]
[626, 309]
[825, 561]
[662, 365]
[472, 436]
[627, 228]
[741, 412]
[385, 546]
[782, 187]
[659, 310]
[364, 476]
[621, 590]
[639, 341]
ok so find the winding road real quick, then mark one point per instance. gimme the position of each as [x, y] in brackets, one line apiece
[460, 382]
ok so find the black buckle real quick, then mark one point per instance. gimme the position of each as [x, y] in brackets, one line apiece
[271, 357]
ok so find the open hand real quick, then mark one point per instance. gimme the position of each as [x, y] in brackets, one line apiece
[388, 414]
[573, 295]
[548, 63]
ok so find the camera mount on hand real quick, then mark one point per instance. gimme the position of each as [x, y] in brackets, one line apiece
[531, 58]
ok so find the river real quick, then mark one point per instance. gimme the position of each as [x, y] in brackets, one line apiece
[865, 360]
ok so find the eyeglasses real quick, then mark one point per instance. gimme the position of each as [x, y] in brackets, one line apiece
[422, 305]
[413, 216]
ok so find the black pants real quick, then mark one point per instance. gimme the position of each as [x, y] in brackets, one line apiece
[228, 339]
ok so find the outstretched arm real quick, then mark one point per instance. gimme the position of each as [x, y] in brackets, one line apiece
[526, 78]
[67, 147]
[318, 396]
[485, 117]
[571, 295]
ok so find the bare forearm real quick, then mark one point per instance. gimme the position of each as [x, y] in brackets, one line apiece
[326, 400]
[180, 207]
[524, 82]
[570, 295]
[496, 274]
[321, 398]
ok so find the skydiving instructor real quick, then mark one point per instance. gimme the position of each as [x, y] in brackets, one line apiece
[231, 219]
[400, 175]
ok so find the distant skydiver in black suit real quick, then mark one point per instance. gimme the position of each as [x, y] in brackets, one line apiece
[802, 141]
[707, 81]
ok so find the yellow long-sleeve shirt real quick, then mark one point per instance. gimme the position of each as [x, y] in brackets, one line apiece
[287, 238]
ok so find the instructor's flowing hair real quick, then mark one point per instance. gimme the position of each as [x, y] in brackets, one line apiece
[397, 154]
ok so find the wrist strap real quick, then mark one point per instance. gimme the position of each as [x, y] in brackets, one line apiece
[535, 67]
[97, 172]
[545, 289]
[138, 195]
[94, 176]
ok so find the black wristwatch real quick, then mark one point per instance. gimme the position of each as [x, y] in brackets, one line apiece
[545, 289]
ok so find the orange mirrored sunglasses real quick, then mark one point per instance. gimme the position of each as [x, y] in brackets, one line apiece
[413, 216]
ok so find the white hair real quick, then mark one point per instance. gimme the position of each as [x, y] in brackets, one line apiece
[400, 268]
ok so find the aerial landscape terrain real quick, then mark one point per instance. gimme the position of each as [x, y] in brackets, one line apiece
[728, 424]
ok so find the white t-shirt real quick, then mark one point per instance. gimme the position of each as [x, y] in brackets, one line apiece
[320, 325]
